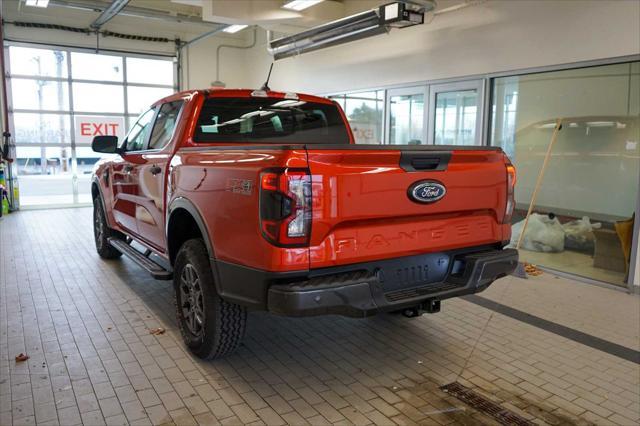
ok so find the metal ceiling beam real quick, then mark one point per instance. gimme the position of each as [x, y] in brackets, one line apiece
[138, 12]
[109, 13]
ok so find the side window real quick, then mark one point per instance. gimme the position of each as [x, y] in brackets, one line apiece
[165, 124]
[138, 133]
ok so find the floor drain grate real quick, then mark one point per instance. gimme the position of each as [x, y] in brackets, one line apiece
[485, 406]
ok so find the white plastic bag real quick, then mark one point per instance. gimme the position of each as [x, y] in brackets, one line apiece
[544, 233]
[579, 234]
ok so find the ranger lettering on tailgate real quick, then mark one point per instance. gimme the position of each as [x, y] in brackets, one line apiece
[261, 200]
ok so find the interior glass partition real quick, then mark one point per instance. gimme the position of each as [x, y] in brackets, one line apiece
[365, 112]
[584, 212]
[456, 113]
[407, 116]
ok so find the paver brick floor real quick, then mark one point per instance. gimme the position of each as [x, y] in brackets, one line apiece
[85, 324]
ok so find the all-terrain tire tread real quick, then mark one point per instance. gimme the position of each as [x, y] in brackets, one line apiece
[229, 325]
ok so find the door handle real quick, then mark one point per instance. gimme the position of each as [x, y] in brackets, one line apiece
[155, 169]
[127, 168]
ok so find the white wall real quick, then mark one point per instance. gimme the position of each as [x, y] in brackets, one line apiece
[491, 37]
[199, 62]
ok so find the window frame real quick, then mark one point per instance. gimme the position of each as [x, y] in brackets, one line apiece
[406, 91]
[435, 89]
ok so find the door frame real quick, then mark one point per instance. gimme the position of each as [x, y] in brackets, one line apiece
[412, 90]
[477, 85]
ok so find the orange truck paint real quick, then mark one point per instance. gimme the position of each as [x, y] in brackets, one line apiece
[360, 208]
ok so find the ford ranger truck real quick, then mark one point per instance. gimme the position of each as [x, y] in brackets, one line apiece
[261, 200]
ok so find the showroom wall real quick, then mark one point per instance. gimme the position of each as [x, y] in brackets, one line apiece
[490, 37]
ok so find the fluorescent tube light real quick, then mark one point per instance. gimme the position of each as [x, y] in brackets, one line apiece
[299, 5]
[37, 3]
[234, 28]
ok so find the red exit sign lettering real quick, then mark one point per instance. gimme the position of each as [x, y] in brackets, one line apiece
[89, 126]
[99, 129]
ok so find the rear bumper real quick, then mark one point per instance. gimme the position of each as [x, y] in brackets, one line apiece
[366, 289]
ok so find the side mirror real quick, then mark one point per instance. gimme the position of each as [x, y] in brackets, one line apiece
[106, 144]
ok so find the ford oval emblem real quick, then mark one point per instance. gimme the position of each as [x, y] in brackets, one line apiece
[426, 191]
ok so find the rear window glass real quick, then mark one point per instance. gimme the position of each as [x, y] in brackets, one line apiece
[269, 120]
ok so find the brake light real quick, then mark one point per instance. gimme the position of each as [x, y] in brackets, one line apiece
[511, 186]
[285, 207]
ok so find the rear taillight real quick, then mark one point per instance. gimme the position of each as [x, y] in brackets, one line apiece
[511, 186]
[285, 206]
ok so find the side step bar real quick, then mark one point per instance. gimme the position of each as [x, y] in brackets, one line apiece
[156, 271]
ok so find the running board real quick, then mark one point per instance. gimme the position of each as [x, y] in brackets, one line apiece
[156, 271]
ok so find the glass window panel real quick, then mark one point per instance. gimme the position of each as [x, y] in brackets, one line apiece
[456, 114]
[150, 71]
[364, 112]
[594, 168]
[38, 62]
[136, 138]
[40, 94]
[91, 66]
[34, 128]
[164, 125]
[406, 119]
[141, 98]
[44, 175]
[91, 97]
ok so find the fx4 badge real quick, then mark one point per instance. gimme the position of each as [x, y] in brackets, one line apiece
[426, 191]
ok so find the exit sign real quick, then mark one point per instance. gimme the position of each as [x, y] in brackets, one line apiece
[86, 127]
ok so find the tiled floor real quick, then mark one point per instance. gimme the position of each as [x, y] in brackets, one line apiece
[574, 263]
[85, 324]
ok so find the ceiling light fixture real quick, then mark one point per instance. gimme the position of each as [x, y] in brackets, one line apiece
[234, 28]
[37, 3]
[299, 5]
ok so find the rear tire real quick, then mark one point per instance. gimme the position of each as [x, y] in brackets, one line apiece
[211, 327]
[102, 232]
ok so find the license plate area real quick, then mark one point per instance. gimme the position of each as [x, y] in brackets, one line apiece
[415, 271]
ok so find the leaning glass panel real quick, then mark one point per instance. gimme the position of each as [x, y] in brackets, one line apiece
[584, 212]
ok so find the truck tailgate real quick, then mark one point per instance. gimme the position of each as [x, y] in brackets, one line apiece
[363, 210]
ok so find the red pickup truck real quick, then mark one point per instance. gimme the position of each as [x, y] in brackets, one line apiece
[261, 200]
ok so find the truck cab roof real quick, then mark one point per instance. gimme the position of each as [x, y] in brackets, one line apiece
[218, 92]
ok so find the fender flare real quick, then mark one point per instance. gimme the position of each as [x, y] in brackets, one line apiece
[184, 203]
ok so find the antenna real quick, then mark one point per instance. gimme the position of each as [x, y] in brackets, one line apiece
[265, 86]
